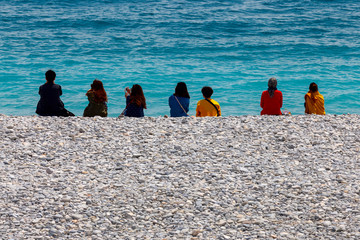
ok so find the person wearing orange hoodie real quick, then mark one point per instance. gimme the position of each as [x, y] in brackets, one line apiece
[314, 101]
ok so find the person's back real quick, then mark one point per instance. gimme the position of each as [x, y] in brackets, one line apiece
[205, 109]
[271, 99]
[208, 107]
[271, 105]
[314, 101]
[133, 110]
[175, 109]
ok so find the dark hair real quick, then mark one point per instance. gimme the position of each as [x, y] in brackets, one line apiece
[137, 96]
[181, 90]
[50, 76]
[313, 87]
[207, 91]
[100, 94]
[272, 83]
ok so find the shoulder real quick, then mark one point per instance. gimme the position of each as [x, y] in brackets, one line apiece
[183, 99]
[215, 102]
[186, 100]
[201, 101]
[278, 93]
[52, 86]
[45, 85]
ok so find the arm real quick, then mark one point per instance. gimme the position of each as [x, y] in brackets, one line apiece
[281, 100]
[262, 101]
[186, 107]
[90, 95]
[198, 113]
[306, 104]
[127, 92]
[171, 101]
[60, 91]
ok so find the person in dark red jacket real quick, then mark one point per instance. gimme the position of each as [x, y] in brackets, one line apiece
[271, 99]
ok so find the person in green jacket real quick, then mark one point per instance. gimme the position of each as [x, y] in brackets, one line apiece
[97, 100]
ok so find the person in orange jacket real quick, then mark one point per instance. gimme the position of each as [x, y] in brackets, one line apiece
[314, 101]
[208, 107]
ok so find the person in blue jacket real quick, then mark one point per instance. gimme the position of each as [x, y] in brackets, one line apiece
[179, 101]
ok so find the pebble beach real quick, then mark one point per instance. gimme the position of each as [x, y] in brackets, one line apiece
[245, 177]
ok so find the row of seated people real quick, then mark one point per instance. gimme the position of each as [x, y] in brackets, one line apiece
[271, 101]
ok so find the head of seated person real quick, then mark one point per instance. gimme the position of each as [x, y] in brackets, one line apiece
[181, 90]
[207, 92]
[313, 87]
[50, 76]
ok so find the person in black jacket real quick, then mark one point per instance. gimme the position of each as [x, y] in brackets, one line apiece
[50, 103]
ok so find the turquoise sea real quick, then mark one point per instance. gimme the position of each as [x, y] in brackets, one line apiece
[232, 46]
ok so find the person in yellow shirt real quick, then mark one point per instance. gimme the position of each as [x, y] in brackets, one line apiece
[208, 107]
[314, 101]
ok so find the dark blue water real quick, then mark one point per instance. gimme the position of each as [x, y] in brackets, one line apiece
[232, 46]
